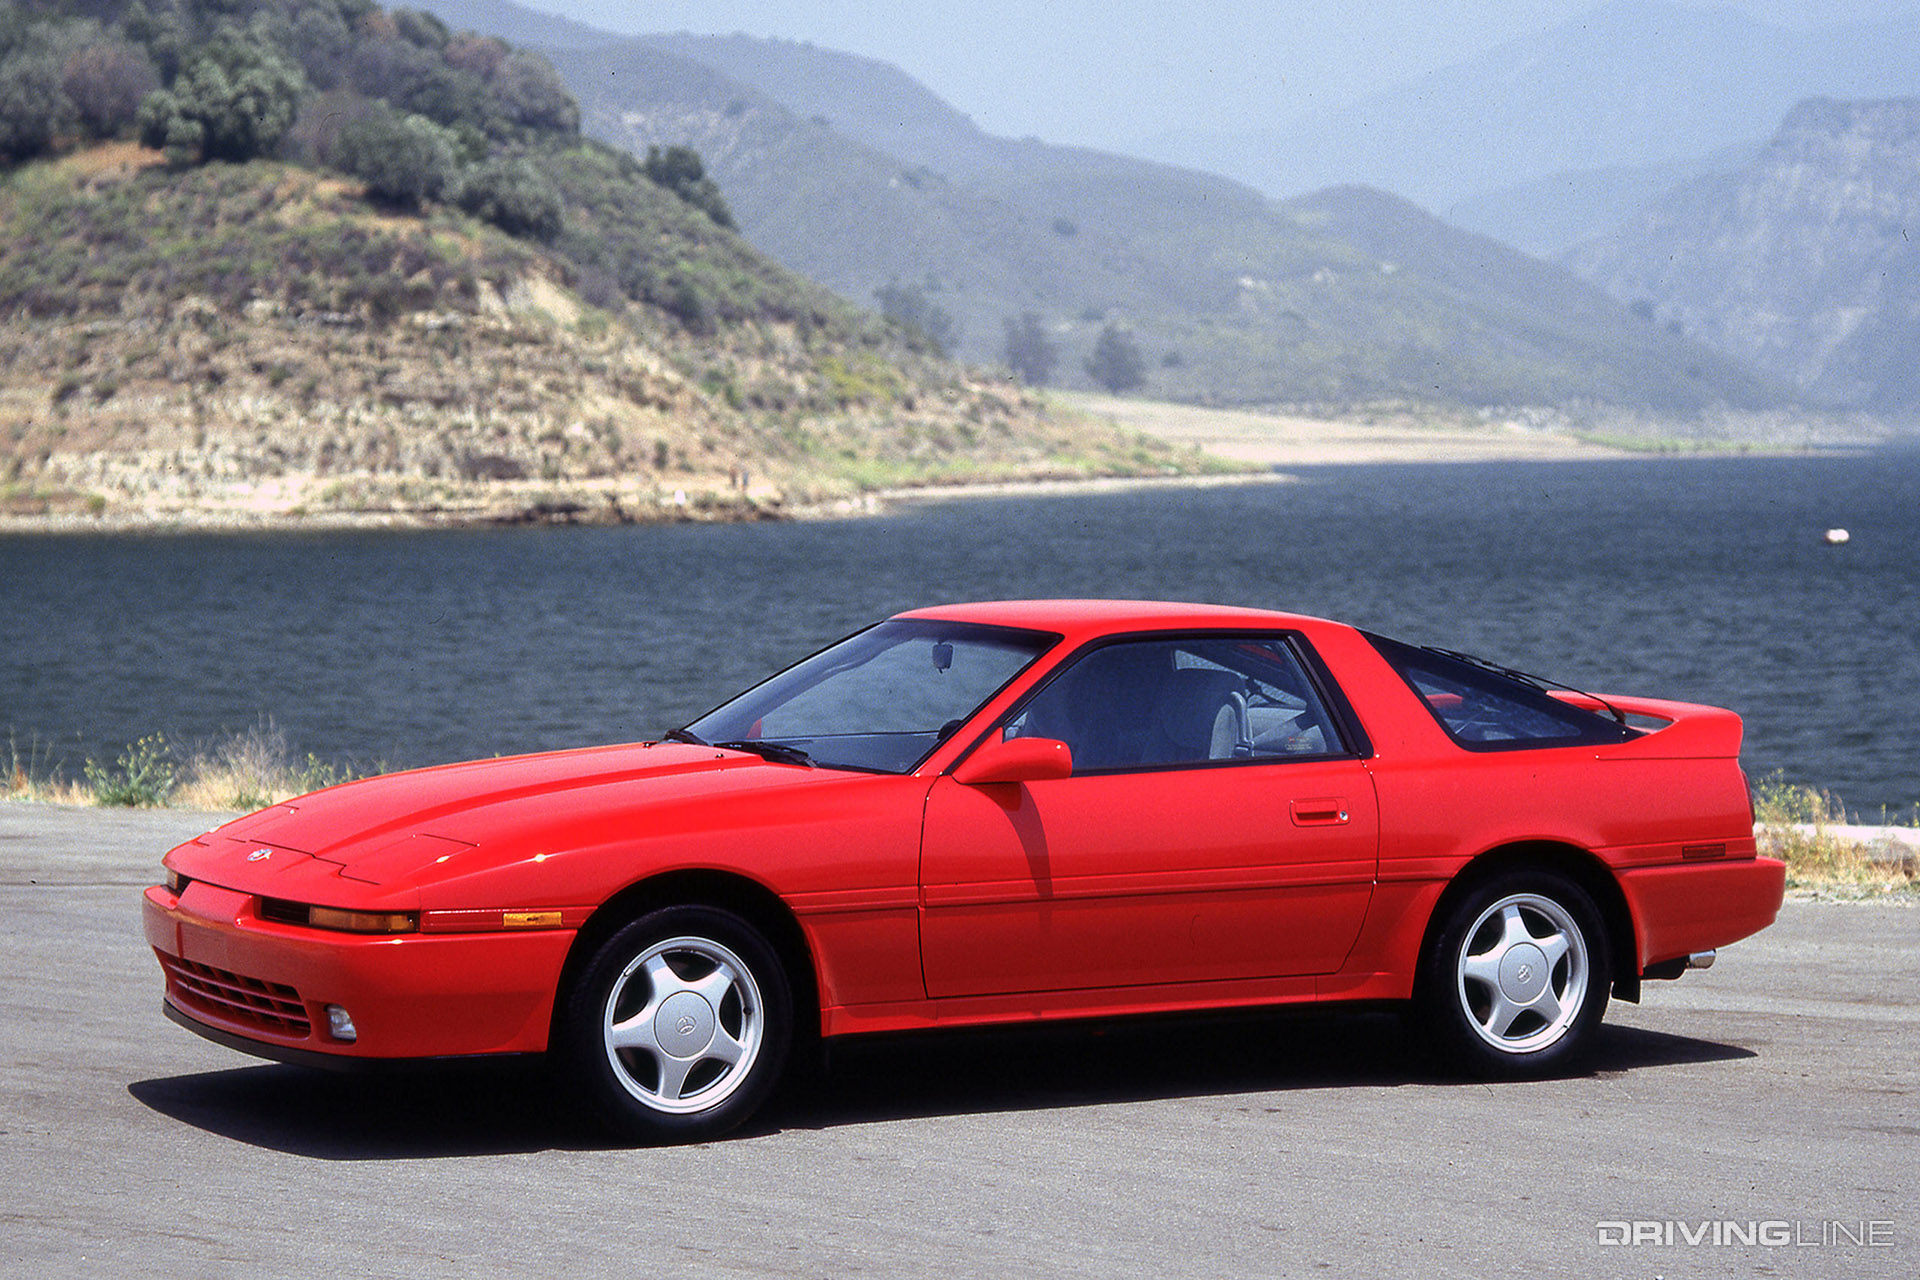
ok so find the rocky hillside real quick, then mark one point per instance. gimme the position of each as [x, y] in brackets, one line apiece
[358, 265]
[1802, 263]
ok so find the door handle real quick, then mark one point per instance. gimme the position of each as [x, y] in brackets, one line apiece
[1326, 812]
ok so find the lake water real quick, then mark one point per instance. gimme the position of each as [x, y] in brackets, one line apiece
[1699, 579]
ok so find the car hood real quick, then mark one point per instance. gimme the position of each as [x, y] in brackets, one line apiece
[396, 827]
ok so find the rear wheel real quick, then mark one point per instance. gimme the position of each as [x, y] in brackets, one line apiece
[679, 1025]
[1515, 983]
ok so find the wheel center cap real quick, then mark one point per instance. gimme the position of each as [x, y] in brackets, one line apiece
[684, 1025]
[1523, 973]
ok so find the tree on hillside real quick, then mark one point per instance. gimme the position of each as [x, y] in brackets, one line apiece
[679, 170]
[513, 195]
[1115, 363]
[106, 83]
[404, 160]
[1031, 354]
[32, 107]
[909, 306]
[531, 93]
[234, 99]
[163, 34]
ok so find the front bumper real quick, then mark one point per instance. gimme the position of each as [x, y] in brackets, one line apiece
[264, 987]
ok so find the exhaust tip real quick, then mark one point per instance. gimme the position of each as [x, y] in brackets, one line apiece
[1701, 960]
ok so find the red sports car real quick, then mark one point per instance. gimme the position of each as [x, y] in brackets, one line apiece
[989, 813]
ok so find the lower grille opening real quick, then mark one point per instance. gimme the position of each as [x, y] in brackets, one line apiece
[270, 1006]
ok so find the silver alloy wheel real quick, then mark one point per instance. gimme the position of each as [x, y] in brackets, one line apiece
[683, 1025]
[1522, 973]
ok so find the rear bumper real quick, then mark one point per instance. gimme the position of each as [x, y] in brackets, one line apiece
[1678, 910]
[264, 987]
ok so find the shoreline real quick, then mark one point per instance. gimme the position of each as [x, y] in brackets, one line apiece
[872, 502]
[881, 502]
[1227, 447]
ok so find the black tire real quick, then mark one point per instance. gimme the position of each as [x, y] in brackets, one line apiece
[1514, 983]
[715, 1036]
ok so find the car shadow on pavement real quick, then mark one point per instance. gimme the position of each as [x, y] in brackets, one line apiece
[1147, 1059]
[415, 1112]
[475, 1109]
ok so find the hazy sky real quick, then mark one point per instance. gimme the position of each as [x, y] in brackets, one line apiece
[1110, 73]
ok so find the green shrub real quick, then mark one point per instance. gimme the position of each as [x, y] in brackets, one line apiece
[143, 775]
[679, 170]
[513, 195]
[404, 160]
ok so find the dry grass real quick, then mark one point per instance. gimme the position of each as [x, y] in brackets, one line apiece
[1810, 830]
[247, 770]
[34, 773]
[252, 770]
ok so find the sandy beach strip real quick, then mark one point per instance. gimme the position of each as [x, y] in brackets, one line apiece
[1280, 440]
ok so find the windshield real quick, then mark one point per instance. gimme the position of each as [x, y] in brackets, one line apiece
[882, 699]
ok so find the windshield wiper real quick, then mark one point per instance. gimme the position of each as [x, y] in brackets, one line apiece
[1542, 683]
[778, 752]
[681, 735]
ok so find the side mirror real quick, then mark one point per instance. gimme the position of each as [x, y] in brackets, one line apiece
[1016, 760]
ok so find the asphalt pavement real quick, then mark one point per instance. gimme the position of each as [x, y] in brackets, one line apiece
[1758, 1118]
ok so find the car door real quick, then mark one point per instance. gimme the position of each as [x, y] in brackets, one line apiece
[1219, 824]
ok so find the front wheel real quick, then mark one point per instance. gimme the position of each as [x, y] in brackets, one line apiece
[679, 1025]
[1515, 983]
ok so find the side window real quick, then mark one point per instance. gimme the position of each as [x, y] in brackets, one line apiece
[1158, 703]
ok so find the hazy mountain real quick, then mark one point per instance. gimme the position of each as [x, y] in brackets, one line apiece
[1477, 295]
[1634, 83]
[851, 172]
[1548, 216]
[1801, 263]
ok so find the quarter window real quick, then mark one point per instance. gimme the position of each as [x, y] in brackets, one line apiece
[1484, 710]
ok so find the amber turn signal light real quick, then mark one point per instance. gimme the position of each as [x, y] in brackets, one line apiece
[530, 919]
[363, 921]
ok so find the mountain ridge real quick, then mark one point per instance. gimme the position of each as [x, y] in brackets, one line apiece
[1631, 82]
[1230, 297]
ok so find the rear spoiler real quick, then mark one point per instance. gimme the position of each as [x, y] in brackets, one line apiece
[1668, 730]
